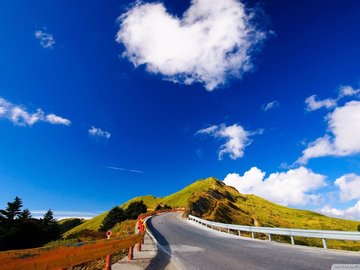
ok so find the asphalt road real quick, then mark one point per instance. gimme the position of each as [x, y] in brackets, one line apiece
[192, 247]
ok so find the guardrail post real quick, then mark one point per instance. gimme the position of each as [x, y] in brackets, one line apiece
[269, 237]
[108, 263]
[239, 232]
[292, 240]
[252, 235]
[324, 243]
[131, 253]
[228, 230]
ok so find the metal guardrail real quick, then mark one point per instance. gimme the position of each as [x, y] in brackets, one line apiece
[321, 234]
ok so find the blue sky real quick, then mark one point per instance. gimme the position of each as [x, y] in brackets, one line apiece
[96, 109]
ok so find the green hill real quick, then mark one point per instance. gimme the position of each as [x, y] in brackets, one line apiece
[211, 199]
[67, 224]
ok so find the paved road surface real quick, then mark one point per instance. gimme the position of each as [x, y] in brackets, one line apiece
[192, 247]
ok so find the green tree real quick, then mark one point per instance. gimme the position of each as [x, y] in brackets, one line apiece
[51, 229]
[359, 227]
[114, 216]
[17, 228]
[166, 207]
[24, 215]
[13, 209]
[158, 207]
[135, 209]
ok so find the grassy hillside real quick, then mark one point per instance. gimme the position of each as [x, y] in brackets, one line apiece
[211, 199]
[69, 223]
[91, 224]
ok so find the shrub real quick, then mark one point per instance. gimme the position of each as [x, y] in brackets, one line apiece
[114, 216]
[135, 209]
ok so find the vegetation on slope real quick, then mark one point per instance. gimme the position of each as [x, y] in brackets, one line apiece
[211, 199]
[67, 224]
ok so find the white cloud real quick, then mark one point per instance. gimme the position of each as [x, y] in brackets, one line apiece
[237, 138]
[294, 187]
[348, 91]
[352, 212]
[343, 140]
[313, 104]
[54, 119]
[271, 105]
[124, 170]
[97, 132]
[212, 41]
[65, 214]
[18, 115]
[46, 39]
[22, 118]
[349, 186]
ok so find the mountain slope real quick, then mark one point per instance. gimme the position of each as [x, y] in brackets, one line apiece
[211, 199]
[69, 223]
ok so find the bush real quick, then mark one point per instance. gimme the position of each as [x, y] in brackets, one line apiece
[114, 216]
[166, 207]
[135, 209]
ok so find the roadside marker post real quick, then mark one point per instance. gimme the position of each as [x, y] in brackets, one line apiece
[140, 230]
[131, 253]
[108, 257]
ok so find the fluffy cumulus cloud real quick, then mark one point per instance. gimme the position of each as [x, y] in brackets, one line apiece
[18, 115]
[343, 137]
[235, 136]
[47, 40]
[293, 187]
[352, 212]
[271, 105]
[98, 132]
[348, 190]
[210, 42]
[349, 187]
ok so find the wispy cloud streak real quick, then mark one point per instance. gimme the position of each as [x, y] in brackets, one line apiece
[123, 170]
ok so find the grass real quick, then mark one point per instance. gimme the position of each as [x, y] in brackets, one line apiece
[91, 224]
[124, 228]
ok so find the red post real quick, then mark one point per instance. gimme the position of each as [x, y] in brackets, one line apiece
[108, 263]
[108, 257]
[131, 253]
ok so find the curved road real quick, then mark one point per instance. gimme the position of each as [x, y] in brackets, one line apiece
[192, 247]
